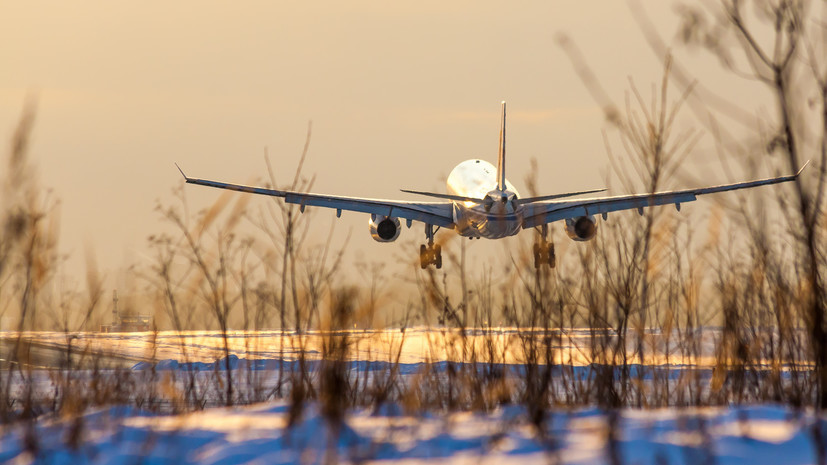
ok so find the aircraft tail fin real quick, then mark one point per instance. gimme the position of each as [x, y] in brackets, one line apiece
[501, 157]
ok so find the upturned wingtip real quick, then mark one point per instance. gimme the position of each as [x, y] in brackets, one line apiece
[802, 168]
[181, 171]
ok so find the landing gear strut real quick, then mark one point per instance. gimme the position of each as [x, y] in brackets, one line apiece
[544, 250]
[432, 253]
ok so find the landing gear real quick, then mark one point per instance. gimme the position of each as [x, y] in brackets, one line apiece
[544, 250]
[432, 253]
[544, 254]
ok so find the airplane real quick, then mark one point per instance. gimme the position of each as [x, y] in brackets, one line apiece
[482, 203]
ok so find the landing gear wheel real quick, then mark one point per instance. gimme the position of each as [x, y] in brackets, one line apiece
[438, 256]
[537, 256]
[430, 255]
[552, 257]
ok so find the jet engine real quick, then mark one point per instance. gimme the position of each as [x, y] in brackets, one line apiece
[581, 229]
[384, 228]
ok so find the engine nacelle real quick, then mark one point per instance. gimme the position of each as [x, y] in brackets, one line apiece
[384, 228]
[581, 229]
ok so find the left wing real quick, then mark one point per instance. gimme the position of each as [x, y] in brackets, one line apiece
[435, 213]
[540, 213]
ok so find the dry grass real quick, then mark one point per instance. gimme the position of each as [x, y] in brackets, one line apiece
[652, 313]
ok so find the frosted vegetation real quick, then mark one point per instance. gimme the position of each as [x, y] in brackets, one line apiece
[671, 338]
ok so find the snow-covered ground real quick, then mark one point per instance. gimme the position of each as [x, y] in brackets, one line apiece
[259, 435]
[277, 431]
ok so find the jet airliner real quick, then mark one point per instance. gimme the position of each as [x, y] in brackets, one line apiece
[481, 202]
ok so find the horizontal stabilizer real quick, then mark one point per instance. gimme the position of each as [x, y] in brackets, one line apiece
[457, 198]
[557, 196]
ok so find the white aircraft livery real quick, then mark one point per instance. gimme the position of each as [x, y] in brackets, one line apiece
[481, 202]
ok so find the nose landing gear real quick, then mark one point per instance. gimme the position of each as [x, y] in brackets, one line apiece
[432, 253]
[544, 250]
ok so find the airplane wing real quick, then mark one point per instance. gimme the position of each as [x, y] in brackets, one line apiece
[435, 213]
[540, 213]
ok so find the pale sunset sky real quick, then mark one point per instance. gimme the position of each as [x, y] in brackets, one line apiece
[398, 93]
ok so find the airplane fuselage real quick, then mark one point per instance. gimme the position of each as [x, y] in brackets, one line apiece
[495, 218]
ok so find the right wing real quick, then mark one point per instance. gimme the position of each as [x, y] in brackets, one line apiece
[540, 213]
[435, 213]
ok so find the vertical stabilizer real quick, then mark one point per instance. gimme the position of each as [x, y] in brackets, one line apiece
[501, 158]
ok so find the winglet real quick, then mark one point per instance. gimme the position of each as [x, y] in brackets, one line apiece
[802, 168]
[182, 172]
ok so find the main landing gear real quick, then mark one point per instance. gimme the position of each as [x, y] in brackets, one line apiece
[432, 253]
[544, 250]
